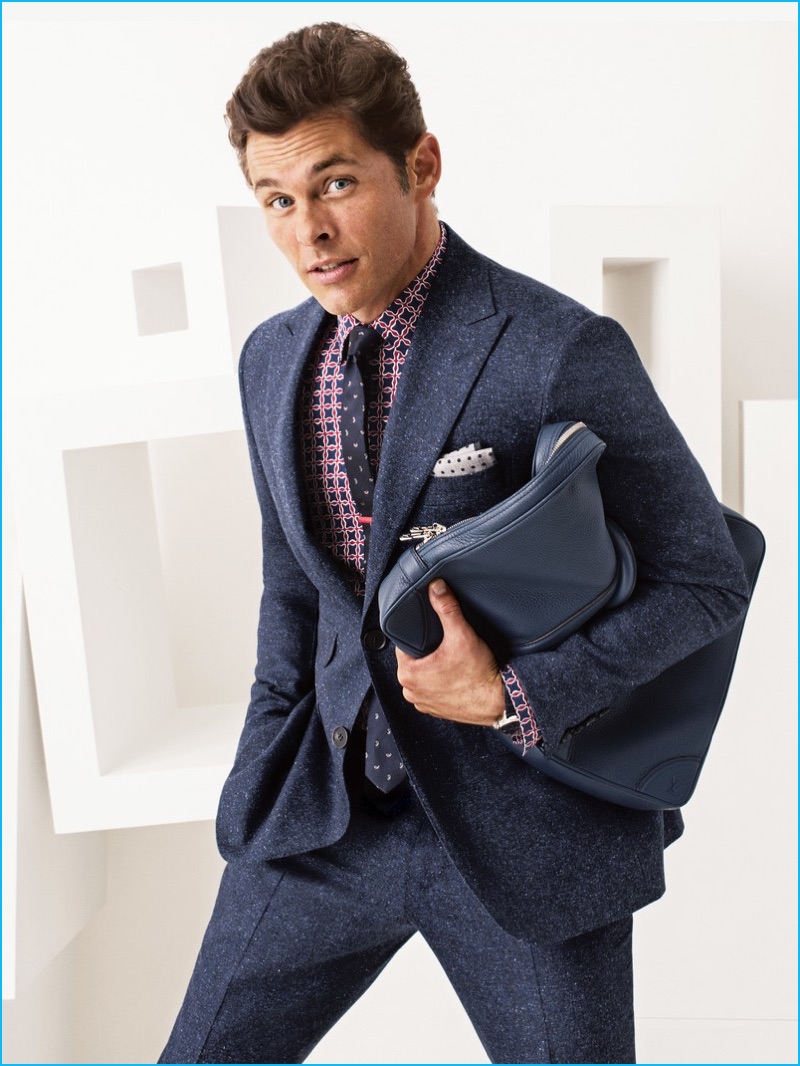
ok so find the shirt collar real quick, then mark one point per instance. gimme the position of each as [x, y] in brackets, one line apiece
[411, 298]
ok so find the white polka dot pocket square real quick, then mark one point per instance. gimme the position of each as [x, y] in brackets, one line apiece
[470, 459]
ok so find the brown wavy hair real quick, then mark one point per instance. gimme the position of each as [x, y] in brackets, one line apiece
[329, 67]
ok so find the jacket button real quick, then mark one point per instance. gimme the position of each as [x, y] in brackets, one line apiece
[374, 640]
[339, 736]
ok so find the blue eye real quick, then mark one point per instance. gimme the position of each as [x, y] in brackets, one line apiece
[280, 203]
[340, 184]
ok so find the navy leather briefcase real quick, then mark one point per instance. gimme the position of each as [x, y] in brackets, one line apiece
[528, 573]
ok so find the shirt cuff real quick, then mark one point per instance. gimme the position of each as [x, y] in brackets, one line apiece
[528, 735]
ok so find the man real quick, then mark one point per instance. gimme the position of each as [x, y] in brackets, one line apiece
[371, 795]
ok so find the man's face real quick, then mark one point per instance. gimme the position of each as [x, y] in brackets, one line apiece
[335, 208]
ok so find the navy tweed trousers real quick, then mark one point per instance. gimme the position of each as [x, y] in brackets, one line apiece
[292, 944]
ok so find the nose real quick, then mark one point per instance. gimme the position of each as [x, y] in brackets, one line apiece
[312, 226]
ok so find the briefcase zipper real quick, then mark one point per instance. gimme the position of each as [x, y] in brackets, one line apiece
[565, 436]
[425, 533]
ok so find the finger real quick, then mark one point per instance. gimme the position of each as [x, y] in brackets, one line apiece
[444, 602]
[417, 701]
[402, 661]
[425, 708]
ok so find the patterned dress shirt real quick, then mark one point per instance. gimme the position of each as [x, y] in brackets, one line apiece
[334, 516]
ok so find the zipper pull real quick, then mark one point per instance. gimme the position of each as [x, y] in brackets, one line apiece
[424, 533]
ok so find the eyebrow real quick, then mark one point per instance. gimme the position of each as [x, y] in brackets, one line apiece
[315, 168]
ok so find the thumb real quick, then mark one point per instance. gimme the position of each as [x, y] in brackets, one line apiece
[444, 602]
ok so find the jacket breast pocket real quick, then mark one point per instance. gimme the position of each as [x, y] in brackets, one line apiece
[451, 499]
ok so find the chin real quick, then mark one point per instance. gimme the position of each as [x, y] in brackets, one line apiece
[335, 305]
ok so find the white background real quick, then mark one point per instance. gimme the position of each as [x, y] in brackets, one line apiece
[117, 159]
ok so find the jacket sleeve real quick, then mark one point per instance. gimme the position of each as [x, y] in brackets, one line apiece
[690, 586]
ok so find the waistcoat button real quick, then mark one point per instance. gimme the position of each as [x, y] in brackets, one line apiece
[339, 736]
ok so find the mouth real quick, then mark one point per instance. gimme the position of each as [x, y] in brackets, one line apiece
[332, 269]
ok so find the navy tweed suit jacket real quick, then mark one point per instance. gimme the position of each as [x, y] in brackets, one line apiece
[495, 356]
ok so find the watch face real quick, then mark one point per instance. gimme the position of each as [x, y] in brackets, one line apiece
[509, 726]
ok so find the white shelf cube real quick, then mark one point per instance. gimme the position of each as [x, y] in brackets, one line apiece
[129, 740]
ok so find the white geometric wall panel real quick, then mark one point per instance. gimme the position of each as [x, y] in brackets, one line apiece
[160, 297]
[258, 280]
[657, 271]
[38, 920]
[732, 878]
[139, 719]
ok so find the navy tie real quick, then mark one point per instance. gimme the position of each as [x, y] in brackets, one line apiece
[383, 763]
[362, 342]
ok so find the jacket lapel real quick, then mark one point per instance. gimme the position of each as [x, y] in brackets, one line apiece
[303, 334]
[456, 332]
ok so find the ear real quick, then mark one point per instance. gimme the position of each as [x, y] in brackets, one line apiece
[425, 166]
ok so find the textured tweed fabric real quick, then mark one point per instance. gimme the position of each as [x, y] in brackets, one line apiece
[293, 944]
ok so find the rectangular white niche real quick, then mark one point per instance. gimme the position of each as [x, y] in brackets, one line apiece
[160, 298]
[141, 548]
[634, 293]
[257, 278]
[165, 541]
[656, 270]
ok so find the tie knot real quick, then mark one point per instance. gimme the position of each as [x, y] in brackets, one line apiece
[362, 342]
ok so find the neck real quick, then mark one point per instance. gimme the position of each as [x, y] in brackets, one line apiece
[427, 239]
[429, 235]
